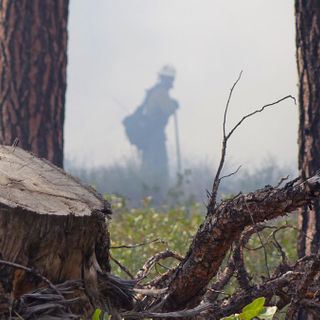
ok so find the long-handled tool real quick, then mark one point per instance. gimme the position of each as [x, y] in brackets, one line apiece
[176, 129]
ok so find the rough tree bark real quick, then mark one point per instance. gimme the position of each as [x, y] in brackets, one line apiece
[50, 223]
[308, 62]
[33, 58]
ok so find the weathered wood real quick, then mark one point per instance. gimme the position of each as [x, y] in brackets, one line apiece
[49, 221]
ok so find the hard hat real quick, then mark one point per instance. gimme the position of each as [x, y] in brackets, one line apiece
[168, 71]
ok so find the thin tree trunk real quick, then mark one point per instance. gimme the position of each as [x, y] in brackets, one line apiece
[33, 58]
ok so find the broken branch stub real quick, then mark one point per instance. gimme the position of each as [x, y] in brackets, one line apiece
[51, 223]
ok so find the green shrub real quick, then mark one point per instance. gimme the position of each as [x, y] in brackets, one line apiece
[255, 310]
[173, 229]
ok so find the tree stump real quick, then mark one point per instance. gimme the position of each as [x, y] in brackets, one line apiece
[49, 222]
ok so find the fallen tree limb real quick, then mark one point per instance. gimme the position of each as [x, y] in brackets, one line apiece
[234, 264]
[223, 226]
[283, 285]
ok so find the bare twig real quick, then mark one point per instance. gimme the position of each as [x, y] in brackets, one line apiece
[143, 272]
[132, 246]
[278, 246]
[258, 111]
[223, 279]
[44, 303]
[178, 314]
[261, 241]
[282, 180]
[14, 144]
[121, 266]
[231, 174]
[235, 263]
[34, 272]
[161, 281]
[18, 315]
[226, 137]
[163, 266]
[292, 183]
[216, 180]
[227, 105]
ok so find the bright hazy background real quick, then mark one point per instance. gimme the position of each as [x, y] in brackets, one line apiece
[116, 48]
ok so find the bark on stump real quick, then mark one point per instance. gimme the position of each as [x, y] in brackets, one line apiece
[50, 222]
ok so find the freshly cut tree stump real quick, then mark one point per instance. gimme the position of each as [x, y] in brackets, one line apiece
[51, 223]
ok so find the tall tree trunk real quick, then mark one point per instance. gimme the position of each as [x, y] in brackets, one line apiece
[308, 61]
[33, 58]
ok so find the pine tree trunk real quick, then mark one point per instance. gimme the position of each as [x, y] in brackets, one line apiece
[308, 61]
[33, 58]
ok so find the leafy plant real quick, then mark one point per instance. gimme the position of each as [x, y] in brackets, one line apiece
[100, 315]
[254, 310]
[172, 229]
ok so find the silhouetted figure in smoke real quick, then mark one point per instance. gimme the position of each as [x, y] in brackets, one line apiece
[145, 129]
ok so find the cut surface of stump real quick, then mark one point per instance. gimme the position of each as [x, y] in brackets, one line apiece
[50, 222]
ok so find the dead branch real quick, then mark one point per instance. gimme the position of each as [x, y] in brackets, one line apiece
[261, 241]
[242, 274]
[276, 243]
[283, 285]
[143, 272]
[259, 111]
[282, 180]
[235, 263]
[133, 246]
[221, 229]
[231, 174]
[177, 314]
[121, 266]
[216, 180]
[45, 303]
[33, 272]
[227, 136]
[118, 293]
[242, 298]
[302, 287]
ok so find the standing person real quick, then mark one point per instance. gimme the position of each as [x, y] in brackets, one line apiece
[145, 129]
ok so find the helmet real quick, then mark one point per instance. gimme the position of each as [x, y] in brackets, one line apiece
[167, 71]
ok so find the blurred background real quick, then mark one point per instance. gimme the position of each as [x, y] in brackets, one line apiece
[116, 49]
